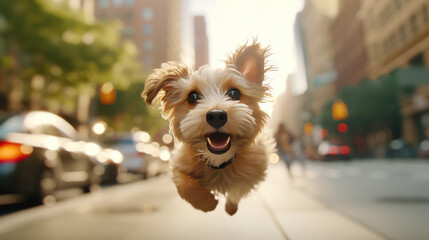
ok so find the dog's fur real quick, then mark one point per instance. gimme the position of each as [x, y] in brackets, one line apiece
[193, 165]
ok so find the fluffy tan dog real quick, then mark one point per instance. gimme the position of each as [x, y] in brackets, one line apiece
[217, 122]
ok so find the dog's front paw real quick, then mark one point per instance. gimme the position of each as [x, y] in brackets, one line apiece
[199, 197]
[231, 208]
[207, 204]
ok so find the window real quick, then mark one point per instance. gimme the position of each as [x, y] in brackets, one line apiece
[128, 31]
[103, 3]
[13, 124]
[148, 29]
[414, 23]
[49, 130]
[394, 40]
[129, 16]
[147, 13]
[425, 14]
[403, 32]
[398, 4]
[418, 60]
[129, 2]
[148, 45]
[117, 3]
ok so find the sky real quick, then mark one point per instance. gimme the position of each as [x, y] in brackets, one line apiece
[231, 23]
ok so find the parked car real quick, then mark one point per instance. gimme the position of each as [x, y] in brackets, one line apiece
[398, 148]
[112, 161]
[134, 161]
[424, 148]
[41, 153]
[333, 151]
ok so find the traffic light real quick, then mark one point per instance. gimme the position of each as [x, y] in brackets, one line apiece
[324, 133]
[339, 110]
[308, 128]
[107, 93]
[342, 127]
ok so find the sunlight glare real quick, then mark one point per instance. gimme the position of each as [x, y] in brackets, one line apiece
[232, 23]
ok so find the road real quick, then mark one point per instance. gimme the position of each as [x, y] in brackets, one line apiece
[390, 197]
[356, 200]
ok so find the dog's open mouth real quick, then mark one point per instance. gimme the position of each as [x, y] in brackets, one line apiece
[218, 143]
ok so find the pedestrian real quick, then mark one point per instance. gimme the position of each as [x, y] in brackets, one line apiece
[284, 147]
[298, 152]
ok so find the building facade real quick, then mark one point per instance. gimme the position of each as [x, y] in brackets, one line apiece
[319, 58]
[155, 27]
[201, 42]
[289, 108]
[397, 36]
[348, 45]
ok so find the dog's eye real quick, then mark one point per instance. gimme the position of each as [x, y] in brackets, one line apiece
[193, 97]
[234, 94]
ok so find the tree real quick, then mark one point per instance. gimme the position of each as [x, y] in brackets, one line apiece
[371, 105]
[129, 110]
[55, 56]
[51, 43]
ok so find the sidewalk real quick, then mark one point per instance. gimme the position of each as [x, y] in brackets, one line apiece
[153, 210]
[302, 217]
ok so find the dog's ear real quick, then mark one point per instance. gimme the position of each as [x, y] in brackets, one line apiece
[157, 83]
[250, 60]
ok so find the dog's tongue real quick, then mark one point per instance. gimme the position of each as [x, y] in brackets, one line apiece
[218, 141]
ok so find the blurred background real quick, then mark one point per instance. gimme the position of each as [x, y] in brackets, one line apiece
[351, 93]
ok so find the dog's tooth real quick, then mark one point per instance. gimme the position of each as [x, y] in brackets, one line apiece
[218, 147]
[227, 141]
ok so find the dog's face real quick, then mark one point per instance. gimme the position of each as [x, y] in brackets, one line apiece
[216, 111]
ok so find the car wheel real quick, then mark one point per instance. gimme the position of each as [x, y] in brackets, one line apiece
[47, 187]
[93, 181]
[110, 175]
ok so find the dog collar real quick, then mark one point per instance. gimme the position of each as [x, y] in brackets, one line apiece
[223, 165]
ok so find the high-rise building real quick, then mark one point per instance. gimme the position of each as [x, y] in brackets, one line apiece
[201, 42]
[316, 29]
[289, 109]
[155, 26]
[348, 44]
[301, 78]
[396, 34]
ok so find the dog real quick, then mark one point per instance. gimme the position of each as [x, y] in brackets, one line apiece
[217, 123]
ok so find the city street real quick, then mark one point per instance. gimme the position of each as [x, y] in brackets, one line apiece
[391, 197]
[99, 99]
[280, 209]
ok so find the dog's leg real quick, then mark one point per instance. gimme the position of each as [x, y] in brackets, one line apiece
[190, 190]
[231, 207]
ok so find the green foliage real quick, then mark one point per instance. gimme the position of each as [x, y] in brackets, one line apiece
[137, 114]
[68, 51]
[72, 55]
[371, 105]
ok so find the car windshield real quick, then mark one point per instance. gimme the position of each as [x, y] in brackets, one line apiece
[36, 119]
[12, 124]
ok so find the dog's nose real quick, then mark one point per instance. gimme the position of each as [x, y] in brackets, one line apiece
[216, 118]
